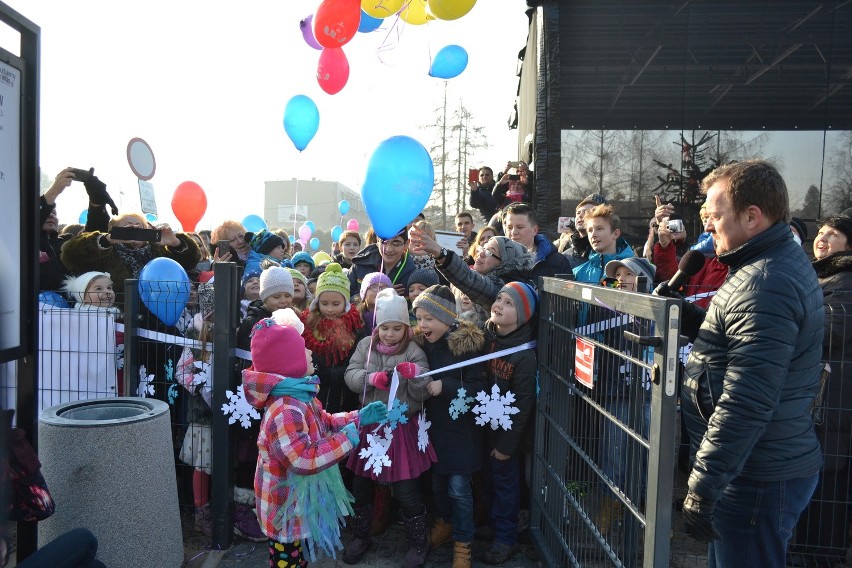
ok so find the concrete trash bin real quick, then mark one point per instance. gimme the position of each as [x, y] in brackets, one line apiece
[109, 464]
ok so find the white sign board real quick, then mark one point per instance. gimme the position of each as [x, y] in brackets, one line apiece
[147, 198]
[292, 213]
[10, 213]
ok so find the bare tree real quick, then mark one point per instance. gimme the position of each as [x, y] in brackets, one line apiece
[839, 190]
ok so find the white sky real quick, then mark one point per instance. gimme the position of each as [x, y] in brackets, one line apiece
[205, 84]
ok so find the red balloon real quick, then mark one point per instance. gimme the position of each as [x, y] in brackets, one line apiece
[336, 22]
[189, 204]
[332, 70]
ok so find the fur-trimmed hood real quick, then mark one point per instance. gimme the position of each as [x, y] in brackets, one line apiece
[520, 267]
[833, 264]
[464, 339]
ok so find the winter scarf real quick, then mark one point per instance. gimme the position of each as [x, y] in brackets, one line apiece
[332, 338]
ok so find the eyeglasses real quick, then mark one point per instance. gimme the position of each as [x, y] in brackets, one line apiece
[396, 243]
[487, 252]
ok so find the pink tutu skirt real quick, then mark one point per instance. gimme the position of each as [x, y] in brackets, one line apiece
[407, 461]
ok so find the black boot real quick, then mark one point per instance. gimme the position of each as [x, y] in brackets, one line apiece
[360, 543]
[417, 535]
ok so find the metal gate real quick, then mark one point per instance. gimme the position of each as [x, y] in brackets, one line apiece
[606, 426]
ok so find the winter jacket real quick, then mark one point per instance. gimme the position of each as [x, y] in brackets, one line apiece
[753, 371]
[482, 198]
[369, 260]
[52, 272]
[834, 416]
[579, 251]
[592, 271]
[411, 391]
[517, 373]
[296, 438]
[548, 261]
[700, 288]
[482, 289]
[457, 442]
[91, 251]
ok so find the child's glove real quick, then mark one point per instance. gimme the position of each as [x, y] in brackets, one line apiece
[380, 380]
[373, 413]
[408, 370]
[351, 432]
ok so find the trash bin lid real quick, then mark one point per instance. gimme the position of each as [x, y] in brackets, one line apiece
[103, 411]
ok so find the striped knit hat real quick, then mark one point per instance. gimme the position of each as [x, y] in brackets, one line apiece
[525, 299]
[438, 301]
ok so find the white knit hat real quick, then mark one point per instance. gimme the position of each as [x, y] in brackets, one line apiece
[273, 280]
[75, 286]
[390, 306]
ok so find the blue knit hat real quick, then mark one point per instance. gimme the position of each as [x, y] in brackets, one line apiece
[264, 241]
[303, 256]
[426, 276]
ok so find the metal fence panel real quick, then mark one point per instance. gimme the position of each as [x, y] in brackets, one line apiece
[605, 450]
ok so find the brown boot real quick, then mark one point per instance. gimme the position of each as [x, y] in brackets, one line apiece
[461, 555]
[442, 532]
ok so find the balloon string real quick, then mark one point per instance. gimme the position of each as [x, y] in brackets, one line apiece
[372, 335]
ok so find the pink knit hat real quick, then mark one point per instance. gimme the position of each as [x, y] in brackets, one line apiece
[277, 345]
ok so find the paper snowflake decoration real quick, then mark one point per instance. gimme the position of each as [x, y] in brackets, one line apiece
[423, 432]
[376, 452]
[238, 408]
[201, 374]
[146, 383]
[495, 409]
[119, 356]
[173, 391]
[396, 415]
[460, 404]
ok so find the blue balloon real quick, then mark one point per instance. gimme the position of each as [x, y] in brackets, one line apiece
[84, 216]
[164, 288]
[336, 231]
[301, 121]
[151, 217]
[368, 24]
[449, 62]
[315, 244]
[254, 223]
[312, 226]
[291, 238]
[343, 207]
[399, 181]
[53, 299]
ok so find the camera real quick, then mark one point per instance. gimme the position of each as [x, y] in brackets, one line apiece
[83, 175]
[514, 177]
[675, 226]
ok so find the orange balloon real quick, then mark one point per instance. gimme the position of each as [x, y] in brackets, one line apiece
[189, 204]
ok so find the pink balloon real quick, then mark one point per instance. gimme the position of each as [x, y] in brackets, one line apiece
[352, 225]
[307, 26]
[332, 70]
[304, 234]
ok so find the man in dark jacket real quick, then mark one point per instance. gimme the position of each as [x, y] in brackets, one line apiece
[390, 255]
[481, 193]
[752, 376]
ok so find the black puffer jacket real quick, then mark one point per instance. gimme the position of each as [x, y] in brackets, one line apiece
[754, 369]
[834, 418]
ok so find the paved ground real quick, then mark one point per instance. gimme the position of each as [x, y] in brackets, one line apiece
[387, 552]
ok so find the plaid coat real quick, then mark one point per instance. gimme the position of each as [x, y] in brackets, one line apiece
[296, 438]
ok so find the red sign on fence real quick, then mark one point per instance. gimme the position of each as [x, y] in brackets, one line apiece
[584, 363]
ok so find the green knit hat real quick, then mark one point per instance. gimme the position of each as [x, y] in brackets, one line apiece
[298, 276]
[332, 280]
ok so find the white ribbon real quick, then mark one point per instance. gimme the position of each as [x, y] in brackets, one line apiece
[481, 358]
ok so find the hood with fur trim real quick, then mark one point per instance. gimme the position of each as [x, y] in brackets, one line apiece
[462, 340]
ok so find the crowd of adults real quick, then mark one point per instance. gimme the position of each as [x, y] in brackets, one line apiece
[741, 225]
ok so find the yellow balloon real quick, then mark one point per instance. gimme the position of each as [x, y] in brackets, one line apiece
[414, 12]
[381, 8]
[449, 9]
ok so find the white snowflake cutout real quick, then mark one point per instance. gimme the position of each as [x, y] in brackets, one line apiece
[146, 382]
[423, 432]
[238, 408]
[495, 409]
[376, 452]
[460, 404]
[201, 375]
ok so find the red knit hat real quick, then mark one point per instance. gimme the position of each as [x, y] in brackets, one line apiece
[277, 345]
